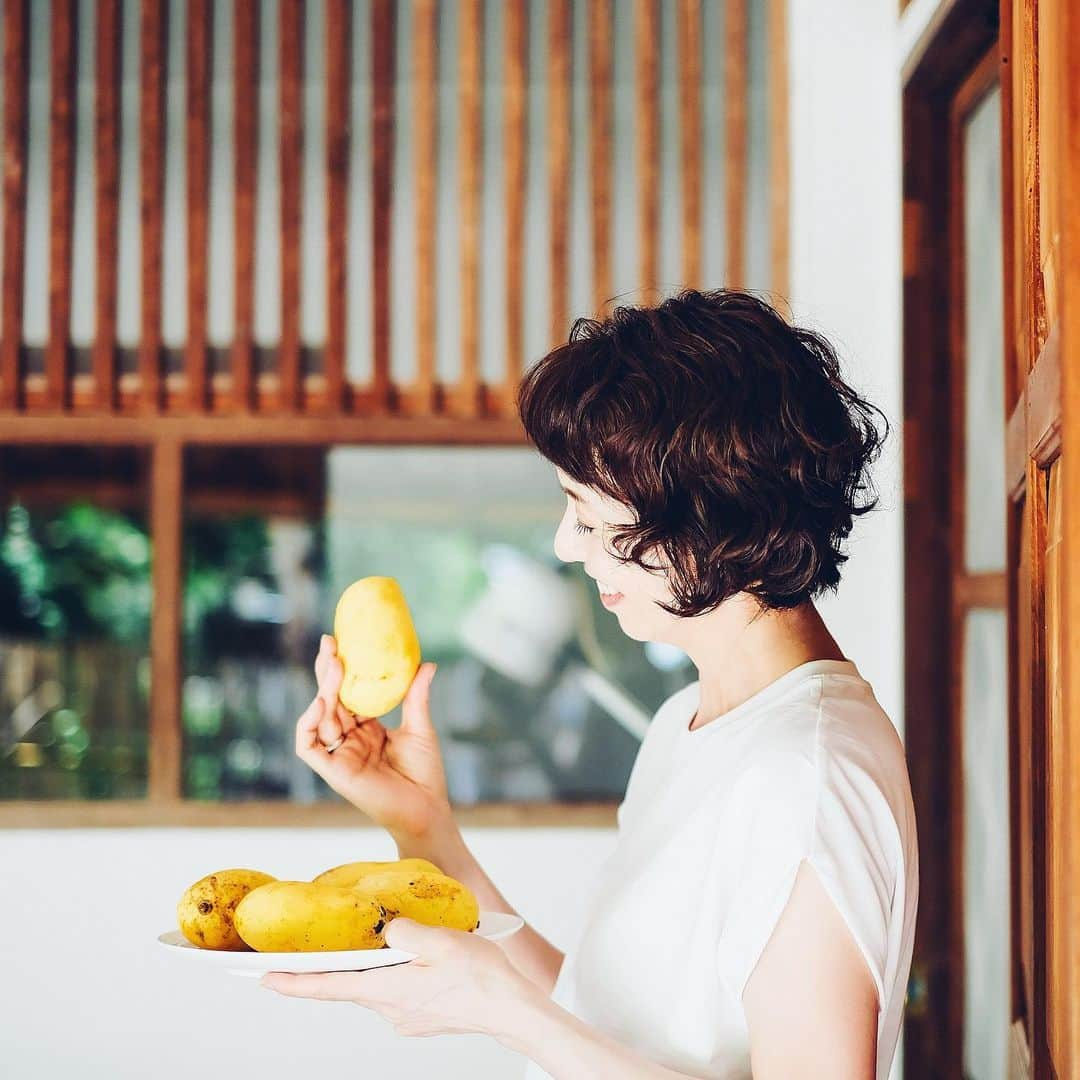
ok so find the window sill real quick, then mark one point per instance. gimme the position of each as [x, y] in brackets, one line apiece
[277, 815]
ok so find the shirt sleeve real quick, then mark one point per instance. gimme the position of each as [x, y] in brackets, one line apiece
[824, 811]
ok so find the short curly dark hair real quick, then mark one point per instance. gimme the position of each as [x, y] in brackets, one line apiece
[729, 432]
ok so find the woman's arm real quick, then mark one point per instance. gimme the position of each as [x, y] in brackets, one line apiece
[569, 1049]
[811, 1003]
[532, 954]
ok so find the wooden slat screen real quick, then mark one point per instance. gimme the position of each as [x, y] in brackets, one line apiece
[601, 108]
[292, 375]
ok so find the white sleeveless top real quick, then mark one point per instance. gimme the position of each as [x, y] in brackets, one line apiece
[712, 830]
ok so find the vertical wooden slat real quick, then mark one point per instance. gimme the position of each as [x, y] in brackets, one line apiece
[61, 192]
[199, 46]
[470, 181]
[690, 137]
[338, 36]
[151, 172]
[515, 149]
[647, 37]
[559, 119]
[166, 492]
[382, 191]
[779, 160]
[246, 31]
[107, 153]
[291, 52]
[600, 149]
[1069, 34]
[735, 156]
[16, 70]
[425, 171]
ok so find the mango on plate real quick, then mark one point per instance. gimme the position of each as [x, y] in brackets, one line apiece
[376, 644]
[432, 899]
[207, 908]
[305, 916]
[351, 873]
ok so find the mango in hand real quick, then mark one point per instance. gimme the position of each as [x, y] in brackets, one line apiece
[304, 916]
[376, 644]
[207, 909]
[353, 873]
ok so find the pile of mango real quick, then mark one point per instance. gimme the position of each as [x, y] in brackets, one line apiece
[347, 907]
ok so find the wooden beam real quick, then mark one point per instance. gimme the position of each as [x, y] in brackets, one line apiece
[559, 119]
[600, 140]
[1044, 401]
[61, 194]
[67, 814]
[426, 178]
[199, 58]
[984, 590]
[107, 187]
[647, 37]
[338, 147]
[246, 35]
[736, 88]
[465, 397]
[166, 519]
[229, 429]
[779, 151]
[383, 66]
[16, 72]
[689, 22]
[290, 73]
[151, 179]
[515, 154]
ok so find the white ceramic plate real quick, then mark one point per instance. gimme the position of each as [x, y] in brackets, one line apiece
[493, 925]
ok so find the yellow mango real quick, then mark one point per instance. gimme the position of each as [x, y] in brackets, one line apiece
[351, 873]
[304, 916]
[376, 644]
[207, 908]
[432, 899]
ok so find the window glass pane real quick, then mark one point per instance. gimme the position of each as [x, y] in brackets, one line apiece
[986, 847]
[75, 596]
[984, 529]
[468, 534]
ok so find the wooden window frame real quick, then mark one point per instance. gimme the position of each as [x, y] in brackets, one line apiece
[956, 67]
[166, 438]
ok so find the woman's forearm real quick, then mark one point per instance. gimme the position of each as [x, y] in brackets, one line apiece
[569, 1049]
[531, 953]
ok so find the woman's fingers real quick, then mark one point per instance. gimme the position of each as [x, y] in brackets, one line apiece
[317, 728]
[307, 727]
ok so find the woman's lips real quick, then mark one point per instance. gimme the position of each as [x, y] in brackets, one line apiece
[610, 599]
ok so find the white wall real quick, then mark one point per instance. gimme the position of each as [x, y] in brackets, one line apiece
[87, 993]
[845, 282]
[85, 990]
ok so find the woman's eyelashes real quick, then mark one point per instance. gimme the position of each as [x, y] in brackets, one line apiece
[582, 528]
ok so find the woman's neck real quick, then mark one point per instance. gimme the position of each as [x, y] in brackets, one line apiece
[738, 654]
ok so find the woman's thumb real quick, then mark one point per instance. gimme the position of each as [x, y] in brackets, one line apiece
[415, 711]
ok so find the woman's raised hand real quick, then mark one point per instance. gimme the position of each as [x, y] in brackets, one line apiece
[394, 775]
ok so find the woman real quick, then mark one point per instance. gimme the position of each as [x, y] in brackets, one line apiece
[758, 913]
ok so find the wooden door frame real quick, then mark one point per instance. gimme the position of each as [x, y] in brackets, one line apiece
[954, 66]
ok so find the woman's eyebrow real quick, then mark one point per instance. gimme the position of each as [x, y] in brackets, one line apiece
[573, 494]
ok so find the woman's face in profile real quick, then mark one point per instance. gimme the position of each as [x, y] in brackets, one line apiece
[583, 536]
